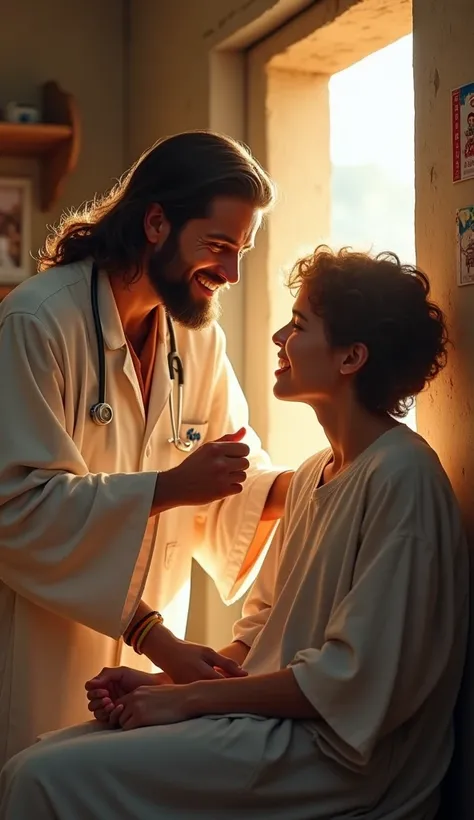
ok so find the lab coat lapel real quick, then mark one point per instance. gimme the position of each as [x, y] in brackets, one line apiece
[114, 337]
[161, 384]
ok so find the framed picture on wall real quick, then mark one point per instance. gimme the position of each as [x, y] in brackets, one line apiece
[15, 229]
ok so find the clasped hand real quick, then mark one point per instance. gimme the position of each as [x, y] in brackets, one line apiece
[147, 705]
[130, 698]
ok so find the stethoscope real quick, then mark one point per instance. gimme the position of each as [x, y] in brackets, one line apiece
[102, 413]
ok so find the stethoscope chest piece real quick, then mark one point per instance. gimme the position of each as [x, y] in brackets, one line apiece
[101, 413]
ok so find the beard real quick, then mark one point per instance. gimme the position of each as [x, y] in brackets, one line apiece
[172, 280]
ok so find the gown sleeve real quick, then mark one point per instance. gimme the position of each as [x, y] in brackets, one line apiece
[259, 601]
[71, 542]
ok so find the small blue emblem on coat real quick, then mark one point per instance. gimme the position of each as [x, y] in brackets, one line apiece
[193, 435]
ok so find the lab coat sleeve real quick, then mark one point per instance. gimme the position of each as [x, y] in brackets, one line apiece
[378, 663]
[70, 541]
[259, 601]
[227, 528]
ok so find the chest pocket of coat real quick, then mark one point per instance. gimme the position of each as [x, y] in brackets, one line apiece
[190, 431]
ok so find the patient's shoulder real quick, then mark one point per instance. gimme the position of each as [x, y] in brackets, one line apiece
[306, 476]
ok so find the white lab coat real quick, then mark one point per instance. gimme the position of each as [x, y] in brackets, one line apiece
[77, 548]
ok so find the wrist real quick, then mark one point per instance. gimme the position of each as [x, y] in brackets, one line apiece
[197, 700]
[136, 632]
[158, 643]
[165, 496]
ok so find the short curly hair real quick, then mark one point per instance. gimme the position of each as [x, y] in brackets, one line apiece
[378, 302]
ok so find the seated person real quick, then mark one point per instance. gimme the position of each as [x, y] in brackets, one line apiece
[354, 634]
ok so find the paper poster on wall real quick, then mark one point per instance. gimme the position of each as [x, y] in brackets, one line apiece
[465, 245]
[463, 132]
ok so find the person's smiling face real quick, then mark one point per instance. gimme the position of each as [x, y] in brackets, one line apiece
[309, 369]
[192, 265]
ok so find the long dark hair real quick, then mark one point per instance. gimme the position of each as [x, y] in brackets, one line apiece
[182, 173]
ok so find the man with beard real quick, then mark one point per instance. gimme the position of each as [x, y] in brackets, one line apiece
[100, 515]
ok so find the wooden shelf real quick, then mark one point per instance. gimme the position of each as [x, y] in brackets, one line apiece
[55, 142]
[31, 140]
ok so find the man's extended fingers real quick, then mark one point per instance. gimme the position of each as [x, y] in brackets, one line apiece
[227, 665]
[207, 672]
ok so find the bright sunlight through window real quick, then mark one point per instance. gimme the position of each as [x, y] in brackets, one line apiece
[372, 154]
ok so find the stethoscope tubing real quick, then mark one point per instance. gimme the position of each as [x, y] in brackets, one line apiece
[101, 412]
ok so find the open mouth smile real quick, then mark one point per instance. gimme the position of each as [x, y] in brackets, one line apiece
[207, 285]
[283, 365]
